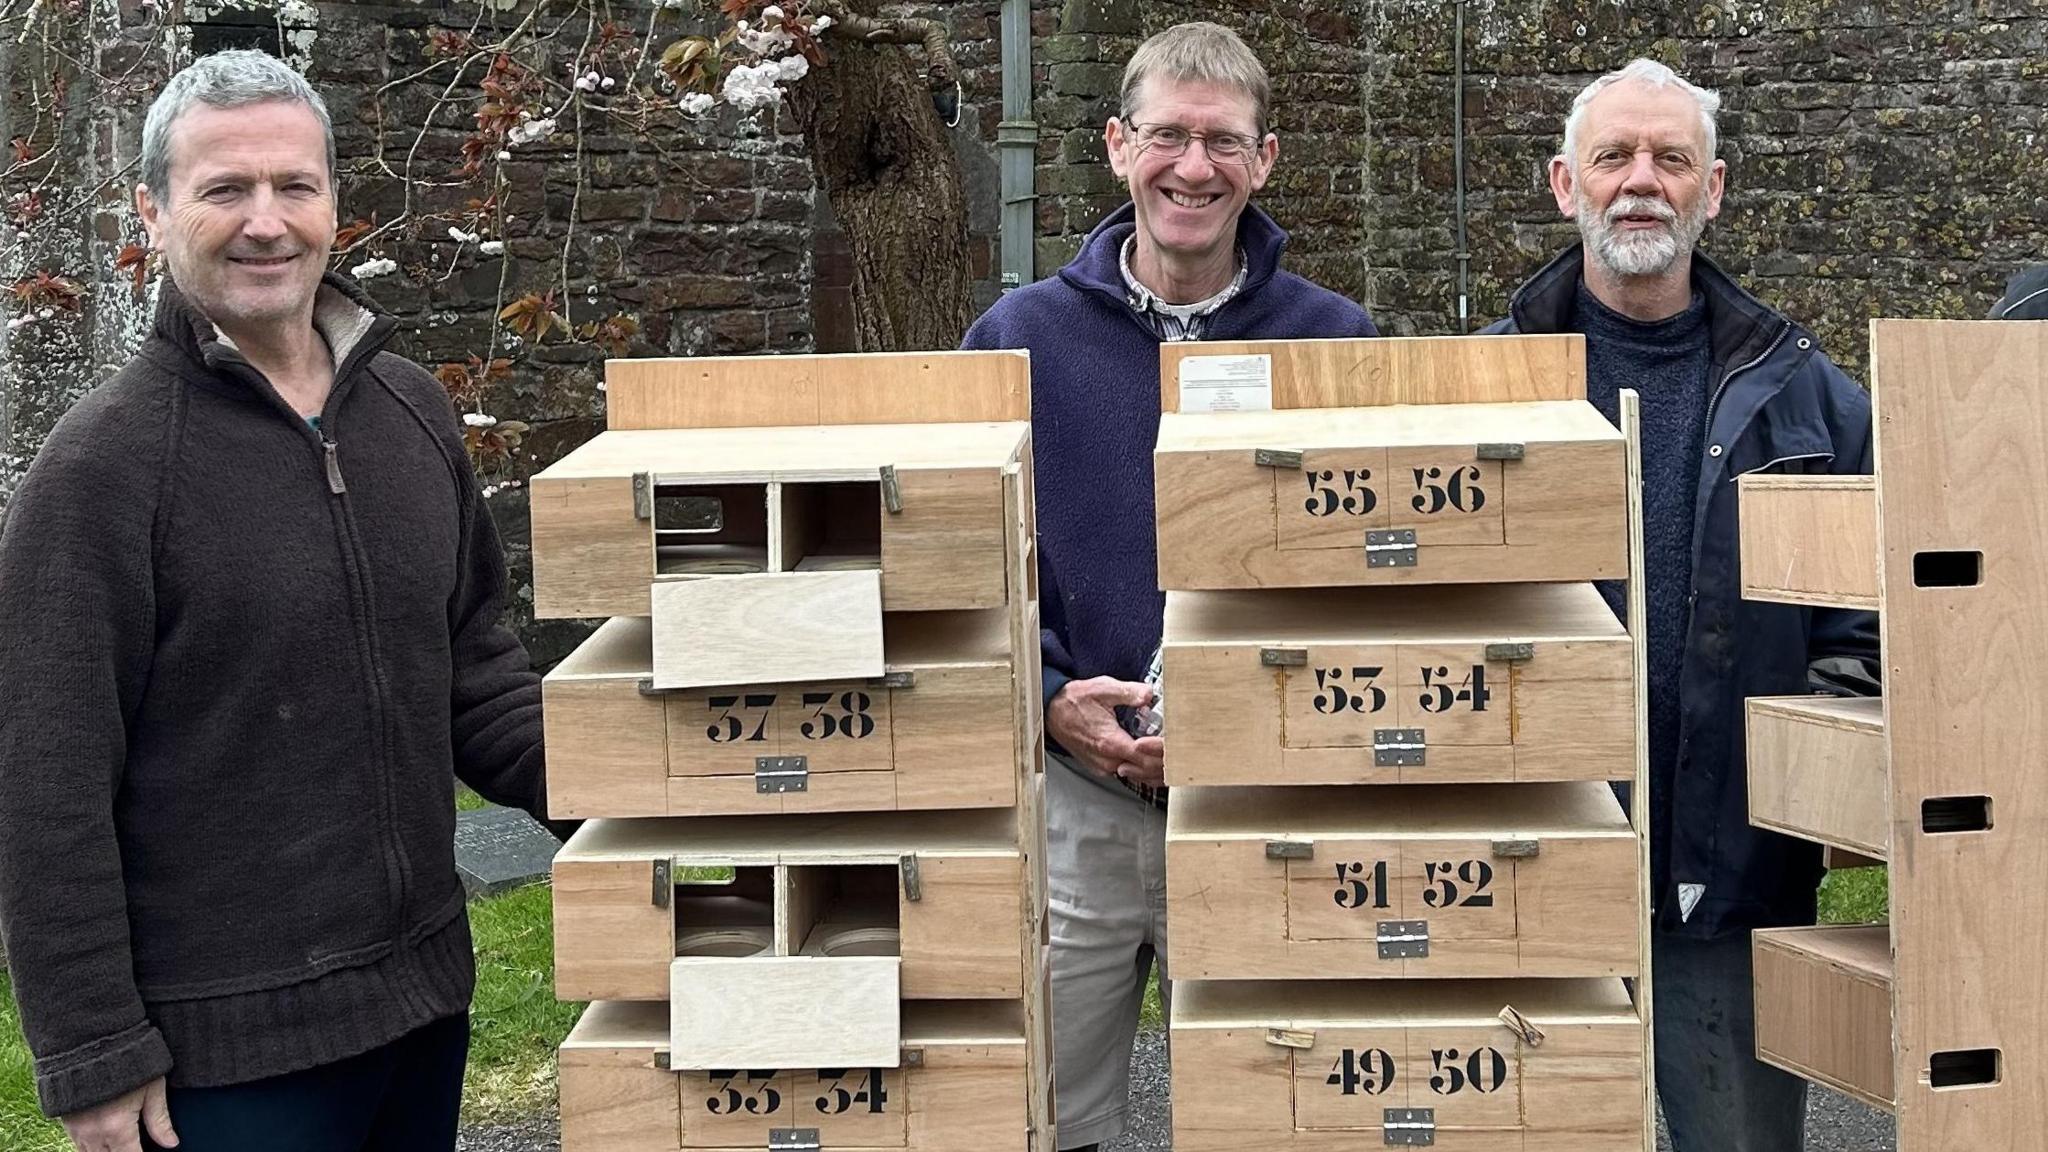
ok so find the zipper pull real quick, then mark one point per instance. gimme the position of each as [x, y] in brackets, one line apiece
[334, 483]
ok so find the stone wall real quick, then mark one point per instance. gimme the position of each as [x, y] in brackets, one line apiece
[1884, 158]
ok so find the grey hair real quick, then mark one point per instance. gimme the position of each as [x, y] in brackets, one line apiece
[229, 79]
[1205, 53]
[1656, 76]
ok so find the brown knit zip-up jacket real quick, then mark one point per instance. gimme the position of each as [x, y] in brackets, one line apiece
[240, 660]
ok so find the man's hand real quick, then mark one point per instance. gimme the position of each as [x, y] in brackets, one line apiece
[116, 1126]
[1082, 717]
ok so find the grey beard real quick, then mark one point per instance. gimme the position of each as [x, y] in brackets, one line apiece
[1636, 253]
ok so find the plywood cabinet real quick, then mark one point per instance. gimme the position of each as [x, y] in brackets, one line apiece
[1450, 684]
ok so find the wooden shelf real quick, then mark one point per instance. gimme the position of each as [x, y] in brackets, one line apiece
[1817, 771]
[1810, 540]
[1824, 1007]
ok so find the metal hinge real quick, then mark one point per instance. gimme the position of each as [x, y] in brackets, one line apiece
[1390, 548]
[1283, 657]
[1510, 653]
[643, 496]
[913, 1057]
[1410, 1127]
[1517, 849]
[646, 686]
[662, 1061]
[1501, 451]
[793, 1140]
[1290, 850]
[782, 774]
[913, 884]
[1399, 748]
[1403, 939]
[904, 679]
[892, 491]
[1276, 458]
[664, 883]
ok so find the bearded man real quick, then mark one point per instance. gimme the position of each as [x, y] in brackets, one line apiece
[1729, 386]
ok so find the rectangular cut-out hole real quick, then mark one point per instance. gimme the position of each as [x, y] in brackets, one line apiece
[831, 527]
[1973, 1068]
[1948, 569]
[1940, 815]
[725, 912]
[710, 529]
[842, 910]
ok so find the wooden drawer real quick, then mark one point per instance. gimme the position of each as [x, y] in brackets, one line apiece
[1518, 682]
[1405, 494]
[922, 505]
[943, 737]
[944, 893]
[1501, 880]
[1810, 540]
[1818, 770]
[957, 1082]
[1824, 1006]
[1327, 1066]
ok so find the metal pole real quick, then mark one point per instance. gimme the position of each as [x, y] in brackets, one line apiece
[1017, 149]
[1458, 105]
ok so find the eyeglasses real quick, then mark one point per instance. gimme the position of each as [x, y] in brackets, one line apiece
[1171, 140]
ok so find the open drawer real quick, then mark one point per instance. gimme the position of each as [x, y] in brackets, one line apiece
[917, 509]
[934, 729]
[1818, 771]
[871, 906]
[955, 1080]
[1401, 882]
[1810, 540]
[1824, 1006]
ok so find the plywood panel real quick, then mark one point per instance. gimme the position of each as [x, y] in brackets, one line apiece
[1810, 540]
[1556, 513]
[613, 1096]
[1400, 370]
[607, 744]
[1817, 770]
[959, 938]
[590, 556]
[785, 1011]
[613, 941]
[954, 735]
[1824, 1007]
[862, 388]
[767, 629]
[945, 549]
[1962, 458]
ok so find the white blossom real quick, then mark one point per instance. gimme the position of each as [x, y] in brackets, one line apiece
[20, 322]
[530, 131]
[587, 82]
[478, 420]
[372, 268]
[492, 247]
[504, 155]
[47, 314]
[820, 24]
[751, 86]
[767, 41]
[698, 103]
[606, 83]
[794, 68]
[769, 15]
[461, 237]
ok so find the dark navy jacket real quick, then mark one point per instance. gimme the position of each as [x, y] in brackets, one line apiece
[1778, 406]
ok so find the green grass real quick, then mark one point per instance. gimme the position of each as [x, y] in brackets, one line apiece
[1854, 896]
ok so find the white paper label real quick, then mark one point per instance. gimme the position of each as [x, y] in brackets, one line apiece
[1226, 383]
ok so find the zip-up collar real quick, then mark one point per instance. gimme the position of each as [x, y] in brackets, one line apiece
[1740, 328]
[355, 328]
[1098, 267]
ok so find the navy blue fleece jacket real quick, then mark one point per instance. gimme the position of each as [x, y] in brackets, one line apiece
[1095, 422]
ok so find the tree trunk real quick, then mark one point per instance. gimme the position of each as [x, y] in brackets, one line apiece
[883, 156]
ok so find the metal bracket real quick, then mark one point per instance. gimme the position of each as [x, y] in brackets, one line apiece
[774, 774]
[664, 883]
[1390, 548]
[892, 491]
[643, 496]
[1283, 657]
[1410, 1127]
[913, 1057]
[904, 679]
[1403, 939]
[662, 1061]
[913, 884]
[1290, 850]
[1276, 458]
[1510, 653]
[1501, 451]
[646, 686]
[1399, 748]
[1517, 849]
[793, 1140]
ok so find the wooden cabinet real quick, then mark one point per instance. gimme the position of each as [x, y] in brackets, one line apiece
[1401, 882]
[1492, 683]
[1402, 494]
[1810, 540]
[934, 729]
[1817, 770]
[1824, 1006]
[1320, 1066]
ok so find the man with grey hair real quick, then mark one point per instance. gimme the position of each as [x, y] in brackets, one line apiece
[250, 633]
[1729, 386]
[1189, 258]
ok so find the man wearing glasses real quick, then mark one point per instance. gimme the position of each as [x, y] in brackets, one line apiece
[1187, 259]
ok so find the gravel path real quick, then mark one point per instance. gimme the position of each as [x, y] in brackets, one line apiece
[1834, 1123]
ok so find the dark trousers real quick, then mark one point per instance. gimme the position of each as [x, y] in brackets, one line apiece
[1717, 1096]
[403, 1097]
